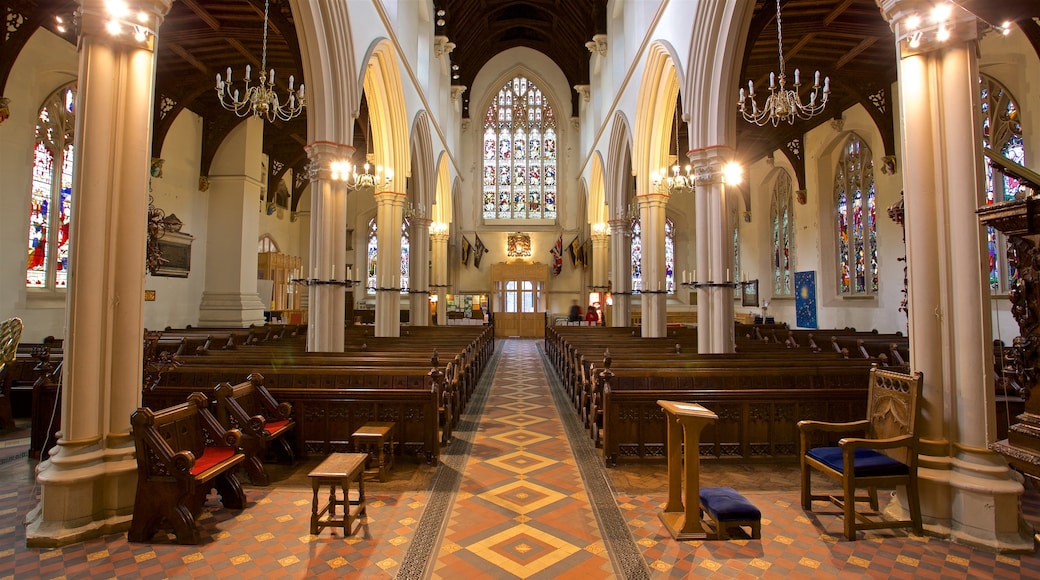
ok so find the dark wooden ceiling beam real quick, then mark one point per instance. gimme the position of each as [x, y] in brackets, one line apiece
[203, 14]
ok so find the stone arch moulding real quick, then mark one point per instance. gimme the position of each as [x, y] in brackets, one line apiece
[655, 111]
[619, 165]
[381, 79]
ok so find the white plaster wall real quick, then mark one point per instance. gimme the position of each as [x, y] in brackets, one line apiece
[176, 192]
[45, 64]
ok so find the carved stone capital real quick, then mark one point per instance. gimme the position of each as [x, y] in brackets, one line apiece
[585, 91]
[598, 44]
[442, 46]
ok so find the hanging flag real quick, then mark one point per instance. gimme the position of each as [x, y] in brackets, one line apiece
[574, 248]
[465, 251]
[557, 254]
[586, 254]
[481, 250]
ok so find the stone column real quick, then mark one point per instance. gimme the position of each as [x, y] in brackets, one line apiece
[654, 298]
[967, 491]
[714, 252]
[230, 297]
[419, 269]
[389, 214]
[328, 249]
[600, 264]
[439, 270]
[621, 270]
[87, 485]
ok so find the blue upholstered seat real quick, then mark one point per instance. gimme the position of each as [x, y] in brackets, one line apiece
[867, 462]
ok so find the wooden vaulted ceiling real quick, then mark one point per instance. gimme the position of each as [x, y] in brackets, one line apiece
[847, 40]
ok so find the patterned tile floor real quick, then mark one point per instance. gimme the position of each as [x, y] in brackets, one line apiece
[520, 493]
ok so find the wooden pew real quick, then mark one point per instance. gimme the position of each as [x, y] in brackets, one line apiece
[251, 409]
[182, 453]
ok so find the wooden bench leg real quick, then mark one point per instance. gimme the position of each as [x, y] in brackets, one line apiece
[230, 490]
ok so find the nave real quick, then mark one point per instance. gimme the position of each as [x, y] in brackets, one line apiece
[520, 492]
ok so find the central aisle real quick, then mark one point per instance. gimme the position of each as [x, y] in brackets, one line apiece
[517, 506]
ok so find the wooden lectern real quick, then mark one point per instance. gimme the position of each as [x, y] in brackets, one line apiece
[685, 423]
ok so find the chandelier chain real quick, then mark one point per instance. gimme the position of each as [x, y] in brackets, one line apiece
[779, 38]
[263, 53]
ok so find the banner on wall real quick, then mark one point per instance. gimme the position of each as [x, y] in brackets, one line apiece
[557, 254]
[805, 299]
[466, 249]
[480, 248]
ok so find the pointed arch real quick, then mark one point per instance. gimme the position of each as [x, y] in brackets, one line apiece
[719, 30]
[655, 112]
[619, 165]
[330, 69]
[597, 212]
[381, 79]
[443, 211]
[423, 185]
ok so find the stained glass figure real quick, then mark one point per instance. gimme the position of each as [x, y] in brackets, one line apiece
[856, 219]
[782, 219]
[50, 205]
[1001, 132]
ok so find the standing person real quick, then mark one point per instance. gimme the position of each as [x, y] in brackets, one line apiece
[575, 315]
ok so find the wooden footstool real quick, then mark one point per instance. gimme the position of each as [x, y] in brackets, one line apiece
[338, 469]
[376, 439]
[728, 509]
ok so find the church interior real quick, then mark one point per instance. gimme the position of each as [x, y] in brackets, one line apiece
[544, 289]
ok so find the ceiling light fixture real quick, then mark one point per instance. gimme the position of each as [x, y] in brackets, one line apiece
[783, 104]
[260, 100]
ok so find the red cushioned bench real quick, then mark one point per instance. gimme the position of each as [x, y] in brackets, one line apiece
[182, 454]
[250, 408]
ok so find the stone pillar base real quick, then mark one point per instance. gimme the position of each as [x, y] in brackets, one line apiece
[983, 507]
[232, 309]
[83, 496]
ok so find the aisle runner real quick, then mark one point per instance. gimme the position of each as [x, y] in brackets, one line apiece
[521, 509]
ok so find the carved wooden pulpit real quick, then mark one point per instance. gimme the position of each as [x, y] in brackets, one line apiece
[685, 423]
[1020, 221]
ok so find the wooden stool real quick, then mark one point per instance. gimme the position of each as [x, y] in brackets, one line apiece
[728, 509]
[373, 438]
[338, 469]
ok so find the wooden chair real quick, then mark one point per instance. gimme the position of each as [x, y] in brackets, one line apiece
[886, 456]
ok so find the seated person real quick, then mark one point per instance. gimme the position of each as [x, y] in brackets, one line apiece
[592, 316]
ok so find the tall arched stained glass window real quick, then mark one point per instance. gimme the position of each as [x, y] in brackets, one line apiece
[856, 215]
[669, 256]
[47, 261]
[781, 214]
[372, 250]
[1002, 133]
[519, 154]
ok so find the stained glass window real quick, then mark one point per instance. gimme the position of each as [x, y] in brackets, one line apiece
[782, 219]
[736, 251]
[669, 256]
[856, 218]
[519, 154]
[1001, 132]
[47, 256]
[373, 256]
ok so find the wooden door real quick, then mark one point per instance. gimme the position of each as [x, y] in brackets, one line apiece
[518, 298]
